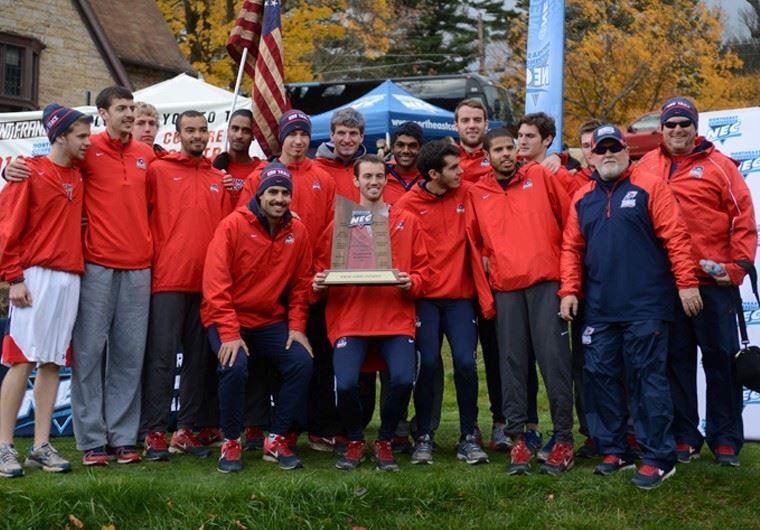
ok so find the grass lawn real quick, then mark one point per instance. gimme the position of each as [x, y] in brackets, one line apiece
[190, 493]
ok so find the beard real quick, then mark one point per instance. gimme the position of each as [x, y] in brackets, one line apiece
[610, 171]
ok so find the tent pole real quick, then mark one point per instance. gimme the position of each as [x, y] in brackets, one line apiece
[239, 80]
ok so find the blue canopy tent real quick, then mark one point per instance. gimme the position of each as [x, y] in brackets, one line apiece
[385, 108]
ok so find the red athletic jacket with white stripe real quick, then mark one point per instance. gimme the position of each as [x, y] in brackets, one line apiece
[715, 203]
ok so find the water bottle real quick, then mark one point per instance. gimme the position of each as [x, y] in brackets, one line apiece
[712, 268]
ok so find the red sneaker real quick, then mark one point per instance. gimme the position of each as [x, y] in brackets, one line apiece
[184, 441]
[328, 444]
[210, 436]
[353, 456]
[520, 458]
[276, 450]
[726, 456]
[127, 454]
[230, 457]
[560, 459]
[384, 456]
[254, 438]
[95, 457]
[155, 447]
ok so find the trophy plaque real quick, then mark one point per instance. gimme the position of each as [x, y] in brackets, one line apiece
[361, 248]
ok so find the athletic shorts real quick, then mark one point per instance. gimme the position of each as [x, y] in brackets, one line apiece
[41, 333]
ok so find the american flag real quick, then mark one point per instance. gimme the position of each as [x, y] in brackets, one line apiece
[258, 28]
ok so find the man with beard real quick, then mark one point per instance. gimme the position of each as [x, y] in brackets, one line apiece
[624, 243]
[403, 174]
[514, 223]
[717, 207]
[337, 156]
[237, 162]
[187, 201]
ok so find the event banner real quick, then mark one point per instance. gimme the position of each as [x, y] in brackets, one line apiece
[736, 133]
[544, 75]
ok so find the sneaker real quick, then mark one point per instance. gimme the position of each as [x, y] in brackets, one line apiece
[470, 451]
[633, 446]
[650, 477]
[254, 439]
[276, 450]
[184, 441]
[210, 436]
[519, 458]
[384, 456]
[423, 450]
[95, 457]
[353, 456]
[47, 458]
[533, 440]
[323, 444]
[499, 440]
[155, 447]
[478, 436]
[611, 464]
[726, 456]
[229, 459]
[560, 459]
[9, 465]
[686, 453]
[587, 450]
[126, 454]
[401, 445]
[543, 454]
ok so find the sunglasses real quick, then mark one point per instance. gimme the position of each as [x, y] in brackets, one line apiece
[682, 124]
[612, 148]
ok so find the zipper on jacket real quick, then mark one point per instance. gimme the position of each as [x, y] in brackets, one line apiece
[609, 199]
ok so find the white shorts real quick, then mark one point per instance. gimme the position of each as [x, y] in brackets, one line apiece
[41, 333]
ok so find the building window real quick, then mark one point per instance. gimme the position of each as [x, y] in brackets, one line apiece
[19, 72]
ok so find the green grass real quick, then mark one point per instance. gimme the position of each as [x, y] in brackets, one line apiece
[189, 493]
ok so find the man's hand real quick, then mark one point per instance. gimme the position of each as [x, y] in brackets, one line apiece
[317, 284]
[691, 301]
[568, 307]
[19, 295]
[725, 280]
[17, 170]
[552, 162]
[228, 181]
[299, 337]
[404, 281]
[486, 264]
[228, 352]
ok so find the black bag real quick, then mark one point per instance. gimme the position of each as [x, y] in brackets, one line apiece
[747, 359]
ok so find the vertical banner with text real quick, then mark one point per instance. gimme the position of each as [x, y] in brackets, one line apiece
[544, 76]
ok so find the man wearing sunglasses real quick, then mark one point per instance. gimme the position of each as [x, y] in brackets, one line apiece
[623, 244]
[717, 208]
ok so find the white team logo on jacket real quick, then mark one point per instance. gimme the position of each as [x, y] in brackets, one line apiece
[316, 185]
[697, 172]
[341, 343]
[140, 163]
[527, 184]
[215, 188]
[629, 201]
[290, 239]
[460, 208]
[485, 163]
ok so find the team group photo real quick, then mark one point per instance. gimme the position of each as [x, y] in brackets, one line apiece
[282, 263]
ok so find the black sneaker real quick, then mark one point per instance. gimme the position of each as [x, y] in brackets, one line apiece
[726, 456]
[611, 464]
[686, 453]
[651, 477]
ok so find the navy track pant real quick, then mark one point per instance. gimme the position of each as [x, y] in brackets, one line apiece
[632, 356]
[294, 365]
[714, 331]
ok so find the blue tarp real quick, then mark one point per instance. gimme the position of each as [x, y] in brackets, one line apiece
[385, 108]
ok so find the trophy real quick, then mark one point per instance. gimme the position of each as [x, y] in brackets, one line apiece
[361, 247]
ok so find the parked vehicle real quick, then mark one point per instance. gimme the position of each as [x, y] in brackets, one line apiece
[644, 134]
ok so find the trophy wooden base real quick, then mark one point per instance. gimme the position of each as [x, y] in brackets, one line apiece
[361, 277]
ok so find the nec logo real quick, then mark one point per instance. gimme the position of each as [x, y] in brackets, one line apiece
[360, 219]
[720, 129]
[749, 162]
[751, 313]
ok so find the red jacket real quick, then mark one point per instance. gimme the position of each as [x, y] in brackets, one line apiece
[474, 165]
[377, 311]
[571, 182]
[39, 225]
[249, 273]
[442, 221]
[117, 234]
[240, 173]
[715, 203]
[398, 183]
[313, 196]
[519, 229]
[187, 200]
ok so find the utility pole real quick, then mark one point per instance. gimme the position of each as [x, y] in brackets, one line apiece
[481, 46]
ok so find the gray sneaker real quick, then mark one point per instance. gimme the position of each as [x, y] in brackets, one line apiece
[469, 450]
[499, 440]
[9, 466]
[423, 450]
[47, 458]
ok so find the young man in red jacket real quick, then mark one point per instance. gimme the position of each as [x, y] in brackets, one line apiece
[237, 162]
[438, 204]
[358, 316]
[187, 200]
[471, 124]
[717, 207]
[255, 301]
[41, 258]
[626, 249]
[114, 299]
[403, 174]
[337, 156]
[515, 218]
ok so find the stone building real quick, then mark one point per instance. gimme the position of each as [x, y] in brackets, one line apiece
[68, 50]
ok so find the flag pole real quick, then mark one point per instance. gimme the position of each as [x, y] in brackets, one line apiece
[238, 82]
